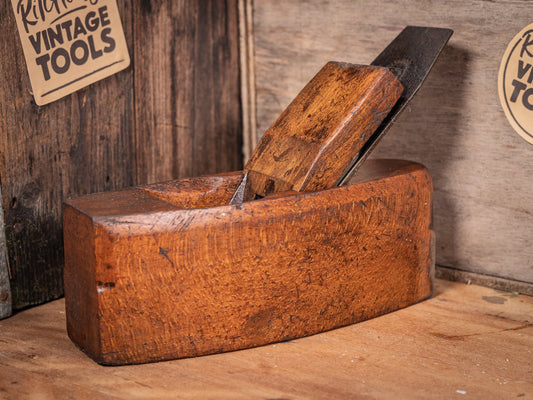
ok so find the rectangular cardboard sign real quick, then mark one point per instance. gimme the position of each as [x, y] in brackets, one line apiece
[69, 44]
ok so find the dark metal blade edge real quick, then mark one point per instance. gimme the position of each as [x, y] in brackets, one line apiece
[410, 57]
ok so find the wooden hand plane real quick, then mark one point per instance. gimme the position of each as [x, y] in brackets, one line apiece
[288, 247]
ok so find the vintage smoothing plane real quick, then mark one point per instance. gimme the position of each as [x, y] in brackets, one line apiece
[290, 246]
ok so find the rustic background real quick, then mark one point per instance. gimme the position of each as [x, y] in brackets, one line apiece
[205, 71]
[482, 169]
[174, 112]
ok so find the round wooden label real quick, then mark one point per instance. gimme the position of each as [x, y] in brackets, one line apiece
[515, 83]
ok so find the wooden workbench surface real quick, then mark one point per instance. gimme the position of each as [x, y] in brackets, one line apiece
[465, 342]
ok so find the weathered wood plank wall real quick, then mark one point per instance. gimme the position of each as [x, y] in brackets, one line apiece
[174, 112]
[481, 168]
[5, 287]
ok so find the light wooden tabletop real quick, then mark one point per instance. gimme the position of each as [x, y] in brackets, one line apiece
[465, 342]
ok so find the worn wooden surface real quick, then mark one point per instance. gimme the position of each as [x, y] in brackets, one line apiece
[467, 342]
[455, 125]
[318, 136]
[146, 280]
[174, 112]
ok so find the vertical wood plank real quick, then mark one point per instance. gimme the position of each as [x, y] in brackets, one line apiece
[246, 46]
[5, 287]
[187, 88]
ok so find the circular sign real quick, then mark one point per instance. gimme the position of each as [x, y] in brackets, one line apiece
[515, 83]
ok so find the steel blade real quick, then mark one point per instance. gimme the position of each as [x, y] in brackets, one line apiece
[410, 56]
